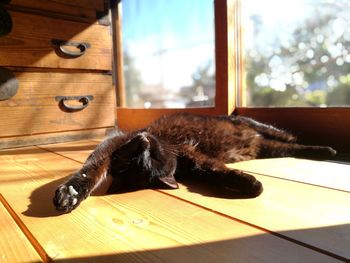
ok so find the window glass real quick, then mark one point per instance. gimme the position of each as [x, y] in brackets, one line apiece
[296, 53]
[168, 53]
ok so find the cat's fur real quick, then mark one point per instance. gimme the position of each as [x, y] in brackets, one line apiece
[183, 144]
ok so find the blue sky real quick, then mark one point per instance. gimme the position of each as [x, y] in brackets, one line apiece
[176, 29]
[182, 20]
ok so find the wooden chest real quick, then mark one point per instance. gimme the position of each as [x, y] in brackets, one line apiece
[55, 71]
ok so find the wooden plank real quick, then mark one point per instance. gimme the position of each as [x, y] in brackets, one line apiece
[142, 226]
[78, 150]
[95, 4]
[322, 173]
[57, 7]
[313, 215]
[226, 55]
[53, 138]
[30, 44]
[116, 12]
[34, 109]
[143, 117]
[50, 4]
[14, 246]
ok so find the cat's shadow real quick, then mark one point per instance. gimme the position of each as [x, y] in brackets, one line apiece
[41, 204]
[208, 189]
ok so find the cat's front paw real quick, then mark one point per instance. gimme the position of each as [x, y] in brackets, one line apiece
[67, 198]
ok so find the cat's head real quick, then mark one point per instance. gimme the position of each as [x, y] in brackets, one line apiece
[140, 163]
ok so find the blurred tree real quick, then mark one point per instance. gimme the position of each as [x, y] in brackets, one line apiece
[132, 81]
[202, 91]
[305, 71]
[341, 94]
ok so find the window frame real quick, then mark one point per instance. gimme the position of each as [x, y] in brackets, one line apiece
[312, 125]
[325, 126]
[225, 63]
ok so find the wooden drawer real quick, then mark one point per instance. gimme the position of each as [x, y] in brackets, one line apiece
[30, 43]
[77, 8]
[34, 110]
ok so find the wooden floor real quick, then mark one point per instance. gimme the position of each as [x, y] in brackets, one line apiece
[302, 216]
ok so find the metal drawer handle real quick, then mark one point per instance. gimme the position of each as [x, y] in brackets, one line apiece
[84, 100]
[61, 44]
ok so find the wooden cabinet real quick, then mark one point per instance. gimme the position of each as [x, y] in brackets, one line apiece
[38, 41]
[59, 56]
[38, 107]
[77, 8]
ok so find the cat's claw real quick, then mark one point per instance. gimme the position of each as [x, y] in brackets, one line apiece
[66, 198]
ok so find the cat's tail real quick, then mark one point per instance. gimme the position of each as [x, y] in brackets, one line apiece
[271, 148]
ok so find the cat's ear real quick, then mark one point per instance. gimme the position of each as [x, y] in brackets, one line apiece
[169, 181]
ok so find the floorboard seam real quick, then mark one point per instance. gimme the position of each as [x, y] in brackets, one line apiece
[296, 181]
[322, 251]
[34, 242]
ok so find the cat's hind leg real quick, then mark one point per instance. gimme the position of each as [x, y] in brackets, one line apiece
[215, 172]
[268, 131]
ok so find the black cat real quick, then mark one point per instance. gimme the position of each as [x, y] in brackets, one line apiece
[179, 145]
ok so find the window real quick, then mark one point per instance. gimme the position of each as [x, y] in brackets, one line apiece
[168, 53]
[297, 53]
[285, 94]
[210, 86]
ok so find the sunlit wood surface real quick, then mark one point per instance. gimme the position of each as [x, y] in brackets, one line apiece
[302, 216]
[14, 245]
